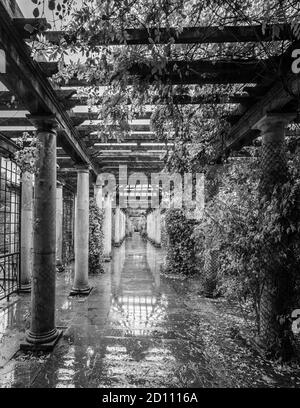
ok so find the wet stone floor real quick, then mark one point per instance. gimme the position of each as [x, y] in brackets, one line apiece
[135, 329]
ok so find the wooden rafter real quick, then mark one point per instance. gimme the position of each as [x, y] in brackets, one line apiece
[189, 35]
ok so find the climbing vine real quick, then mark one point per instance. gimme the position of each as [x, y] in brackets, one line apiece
[28, 153]
[181, 255]
[253, 235]
[95, 238]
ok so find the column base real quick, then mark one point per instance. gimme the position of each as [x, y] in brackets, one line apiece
[107, 258]
[41, 343]
[118, 244]
[26, 288]
[80, 292]
[155, 244]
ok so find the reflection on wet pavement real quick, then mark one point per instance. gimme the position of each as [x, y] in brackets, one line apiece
[136, 329]
[129, 332]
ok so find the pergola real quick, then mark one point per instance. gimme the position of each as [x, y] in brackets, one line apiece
[267, 97]
[78, 142]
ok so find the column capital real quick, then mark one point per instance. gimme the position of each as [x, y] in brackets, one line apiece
[46, 123]
[82, 168]
[273, 118]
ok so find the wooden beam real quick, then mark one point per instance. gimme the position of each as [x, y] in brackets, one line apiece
[132, 167]
[7, 145]
[94, 116]
[143, 156]
[178, 99]
[94, 127]
[192, 72]
[188, 35]
[131, 138]
[27, 81]
[137, 148]
[9, 101]
[15, 122]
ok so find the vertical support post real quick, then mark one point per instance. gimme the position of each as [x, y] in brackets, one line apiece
[123, 226]
[158, 229]
[117, 230]
[26, 232]
[276, 291]
[153, 227]
[211, 257]
[107, 228]
[59, 222]
[42, 333]
[81, 283]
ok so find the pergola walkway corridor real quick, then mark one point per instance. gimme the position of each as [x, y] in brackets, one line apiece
[149, 193]
[130, 331]
[134, 330]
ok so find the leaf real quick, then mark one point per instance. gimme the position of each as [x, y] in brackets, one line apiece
[29, 28]
[51, 5]
[36, 12]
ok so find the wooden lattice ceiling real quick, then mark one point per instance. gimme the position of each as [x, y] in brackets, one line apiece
[29, 90]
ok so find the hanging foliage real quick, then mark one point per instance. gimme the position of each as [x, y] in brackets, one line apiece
[253, 236]
[28, 153]
[140, 74]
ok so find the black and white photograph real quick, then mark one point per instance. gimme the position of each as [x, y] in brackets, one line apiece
[149, 198]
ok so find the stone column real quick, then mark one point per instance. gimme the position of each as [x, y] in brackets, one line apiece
[157, 229]
[117, 231]
[276, 290]
[26, 232]
[152, 224]
[122, 226]
[81, 283]
[211, 257]
[42, 333]
[59, 222]
[149, 226]
[107, 228]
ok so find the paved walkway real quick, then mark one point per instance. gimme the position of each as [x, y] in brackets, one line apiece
[136, 329]
[130, 331]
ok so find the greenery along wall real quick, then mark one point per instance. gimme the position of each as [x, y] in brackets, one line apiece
[181, 248]
[96, 217]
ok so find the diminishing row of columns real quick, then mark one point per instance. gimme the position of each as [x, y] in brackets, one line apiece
[114, 227]
[153, 227]
[47, 210]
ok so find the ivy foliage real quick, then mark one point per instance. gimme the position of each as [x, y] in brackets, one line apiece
[254, 235]
[96, 217]
[181, 255]
[198, 131]
[28, 153]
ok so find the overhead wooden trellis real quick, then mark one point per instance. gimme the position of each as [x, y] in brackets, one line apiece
[30, 90]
